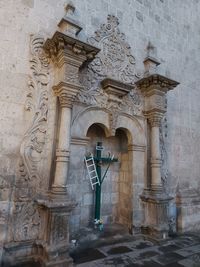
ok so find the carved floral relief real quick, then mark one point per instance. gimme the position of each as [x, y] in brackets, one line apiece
[163, 151]
[114, 61]
[37, 101]
[26, 217]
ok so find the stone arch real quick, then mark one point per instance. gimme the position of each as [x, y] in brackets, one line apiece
[133, 129]
[88, 117]
[131, 183]
[123, 186]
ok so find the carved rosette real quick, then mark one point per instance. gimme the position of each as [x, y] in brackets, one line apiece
[114, 60]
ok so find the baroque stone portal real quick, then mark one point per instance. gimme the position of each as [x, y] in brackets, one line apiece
[97, 94]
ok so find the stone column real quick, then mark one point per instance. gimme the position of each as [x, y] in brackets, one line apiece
[68, 53]
[155, 122]
[154, 88]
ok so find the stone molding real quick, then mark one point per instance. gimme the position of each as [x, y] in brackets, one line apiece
[133, 147]
[66, 93]
[155, 118]
[115, 87]
[80, 141]
[156, 82]
[62, 155]
[60, 42]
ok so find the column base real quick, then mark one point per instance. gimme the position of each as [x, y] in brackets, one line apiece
[56, 208]
[57, 256]
[156, 219]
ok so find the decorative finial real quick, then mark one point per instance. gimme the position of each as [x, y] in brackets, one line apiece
[68, 25]
[151, 62]
[70, 8]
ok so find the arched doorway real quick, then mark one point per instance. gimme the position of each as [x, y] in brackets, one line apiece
[125, 179]
[116, 193]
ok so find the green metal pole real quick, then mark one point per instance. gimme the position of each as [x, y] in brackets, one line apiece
[98, 187]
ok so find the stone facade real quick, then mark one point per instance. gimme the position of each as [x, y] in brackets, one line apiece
[125, 73]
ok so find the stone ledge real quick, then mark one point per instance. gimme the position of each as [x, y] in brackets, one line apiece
[115, 87]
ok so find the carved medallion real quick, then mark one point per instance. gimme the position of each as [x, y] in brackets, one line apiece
[114, 61]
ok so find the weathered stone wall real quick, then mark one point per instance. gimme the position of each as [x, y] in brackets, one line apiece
[170, 25]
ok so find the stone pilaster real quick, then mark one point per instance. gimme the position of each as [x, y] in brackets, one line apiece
[68, 53]
[154, 88]
[137, 171]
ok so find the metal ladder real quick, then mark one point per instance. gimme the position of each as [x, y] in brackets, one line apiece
[92, 172]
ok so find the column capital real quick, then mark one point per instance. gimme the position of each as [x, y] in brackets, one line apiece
[156, 83]
[66, 93]
[154, 88]
[155, 118]
[68, 54]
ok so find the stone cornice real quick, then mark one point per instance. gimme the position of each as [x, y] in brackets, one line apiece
[115, 87]
[61, 41]
[156, 81]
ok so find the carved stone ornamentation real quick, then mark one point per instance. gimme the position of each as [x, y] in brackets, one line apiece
[163, 151]
[114, 60]
[113, 120]
[26, 221]
[37, 101]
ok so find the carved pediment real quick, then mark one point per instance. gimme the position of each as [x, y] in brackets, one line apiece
[114, 61]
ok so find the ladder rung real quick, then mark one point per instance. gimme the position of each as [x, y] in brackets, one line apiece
[95, 183]
[94, 177]
[89, 159]
[90, 165]
[92, 171]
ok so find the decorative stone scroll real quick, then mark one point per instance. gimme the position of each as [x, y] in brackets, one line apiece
[163, 152]
[26, 222]
[37, 101]
[114, 61]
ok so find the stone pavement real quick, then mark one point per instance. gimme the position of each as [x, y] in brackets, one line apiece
[141, 251]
